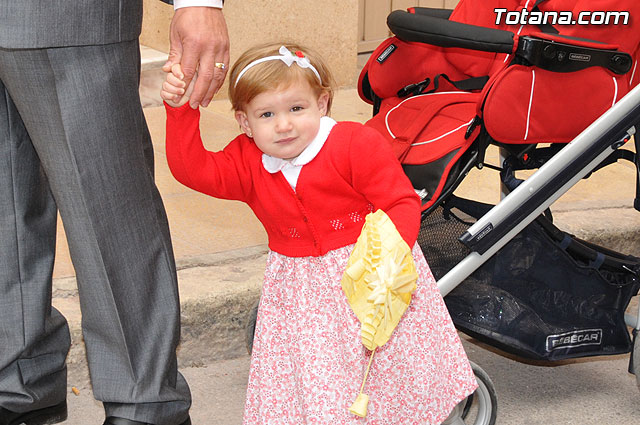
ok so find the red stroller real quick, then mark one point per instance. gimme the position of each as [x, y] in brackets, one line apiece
[529, 76]
[521, 85]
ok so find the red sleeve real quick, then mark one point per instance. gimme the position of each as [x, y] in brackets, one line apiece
[223, 174]
[380, 178]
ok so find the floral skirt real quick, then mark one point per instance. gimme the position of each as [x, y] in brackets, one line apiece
[308, 360]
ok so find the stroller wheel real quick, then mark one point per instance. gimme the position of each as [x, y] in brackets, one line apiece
[481, 407]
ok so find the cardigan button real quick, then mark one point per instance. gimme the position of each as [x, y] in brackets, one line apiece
[304, 218]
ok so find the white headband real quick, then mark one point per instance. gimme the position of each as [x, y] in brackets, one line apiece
[285, 56]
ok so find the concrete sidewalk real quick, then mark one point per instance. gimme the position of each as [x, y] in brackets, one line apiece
[221, 249]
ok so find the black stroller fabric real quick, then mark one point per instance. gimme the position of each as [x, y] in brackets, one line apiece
[533, 298]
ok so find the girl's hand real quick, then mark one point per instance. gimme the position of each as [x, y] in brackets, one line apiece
[173, 89]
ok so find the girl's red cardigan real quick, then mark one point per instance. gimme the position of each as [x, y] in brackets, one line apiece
[354, 173]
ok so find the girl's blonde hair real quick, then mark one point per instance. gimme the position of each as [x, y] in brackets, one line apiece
[275, 74]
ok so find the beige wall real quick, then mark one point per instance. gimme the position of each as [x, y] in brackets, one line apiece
[372, 18]
[328, 26]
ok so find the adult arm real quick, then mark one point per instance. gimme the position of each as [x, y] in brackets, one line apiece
[198, 40]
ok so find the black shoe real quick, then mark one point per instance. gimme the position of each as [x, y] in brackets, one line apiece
[120, 421]
[45, 416]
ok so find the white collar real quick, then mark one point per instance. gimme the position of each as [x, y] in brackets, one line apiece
[273, 164]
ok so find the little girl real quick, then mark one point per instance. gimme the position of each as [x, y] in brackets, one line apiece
[311, 182]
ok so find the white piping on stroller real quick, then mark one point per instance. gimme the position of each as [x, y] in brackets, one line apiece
[465, 125]
[533, 83]
[386, 118]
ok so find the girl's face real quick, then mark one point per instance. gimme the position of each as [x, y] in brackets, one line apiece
[284, 121]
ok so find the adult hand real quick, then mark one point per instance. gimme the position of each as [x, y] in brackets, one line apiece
[199, 40]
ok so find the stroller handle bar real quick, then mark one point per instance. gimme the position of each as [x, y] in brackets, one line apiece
[431, 29]
[561, 54]
[565, 57]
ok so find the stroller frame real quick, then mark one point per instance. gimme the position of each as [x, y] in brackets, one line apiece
[520, 207]
[533, 196]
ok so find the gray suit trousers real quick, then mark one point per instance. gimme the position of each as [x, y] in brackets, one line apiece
[73, 138]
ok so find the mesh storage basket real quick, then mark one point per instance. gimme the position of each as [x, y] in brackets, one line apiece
[545, 295]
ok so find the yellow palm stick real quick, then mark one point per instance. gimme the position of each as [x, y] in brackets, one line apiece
[359, 407]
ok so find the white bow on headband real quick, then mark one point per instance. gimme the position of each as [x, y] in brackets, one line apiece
[285, 56]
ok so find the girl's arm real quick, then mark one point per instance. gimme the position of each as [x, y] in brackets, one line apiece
[221, 174]
[380, 178]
